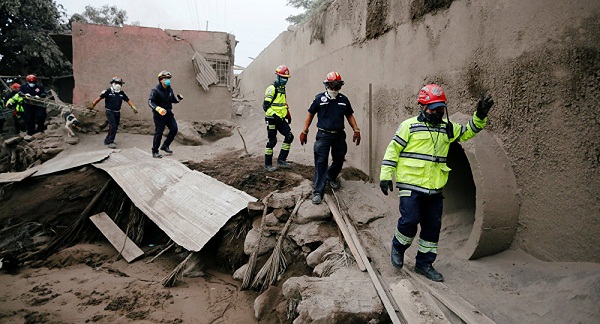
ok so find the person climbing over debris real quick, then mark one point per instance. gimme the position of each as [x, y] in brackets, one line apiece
[34, 114]
[276, 110]
[161, 102]
[14, 101]
[113, 99]
[416, 156]
[330, 107]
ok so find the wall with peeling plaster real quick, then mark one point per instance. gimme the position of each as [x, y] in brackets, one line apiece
[138, 54]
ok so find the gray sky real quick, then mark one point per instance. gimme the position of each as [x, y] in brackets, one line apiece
[255, 23]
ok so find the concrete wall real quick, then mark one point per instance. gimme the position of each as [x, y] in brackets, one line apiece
[539, 59]
[138, 54]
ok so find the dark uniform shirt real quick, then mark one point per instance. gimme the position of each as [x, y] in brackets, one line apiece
[36, 90]
[161, 97]
[113, 100]
[331, 112]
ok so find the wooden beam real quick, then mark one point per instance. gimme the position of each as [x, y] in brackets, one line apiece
[345, 232]
[395, 315]
[126, 247]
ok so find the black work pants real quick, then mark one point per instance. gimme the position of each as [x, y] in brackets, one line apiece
[417, 208]
[34, 116]
[326, 142]
[114, 119]
[160, 122]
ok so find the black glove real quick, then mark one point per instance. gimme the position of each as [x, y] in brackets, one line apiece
[484, 106]
[266, 105]
[385, 185]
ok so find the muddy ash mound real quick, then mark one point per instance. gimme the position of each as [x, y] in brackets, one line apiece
[91, 276]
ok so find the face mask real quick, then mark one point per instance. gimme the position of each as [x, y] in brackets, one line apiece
[281, 80]
[31, 84]
[116, 87]
[434, 118]
[168, 82]
[332, 93]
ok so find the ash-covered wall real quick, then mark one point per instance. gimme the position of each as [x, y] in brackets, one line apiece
[138, 54]
[539, 59]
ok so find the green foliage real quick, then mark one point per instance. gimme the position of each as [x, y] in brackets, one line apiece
[105, 15]
[312, 7]
[26, 46]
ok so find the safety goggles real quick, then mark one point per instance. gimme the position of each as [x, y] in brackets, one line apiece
[335, 85]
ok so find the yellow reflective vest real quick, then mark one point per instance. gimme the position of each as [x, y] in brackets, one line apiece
[16, 101]
[278, 102]
[418, 152]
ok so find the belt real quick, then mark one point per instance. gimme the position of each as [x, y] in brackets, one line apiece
[113, 110]
[329, 131]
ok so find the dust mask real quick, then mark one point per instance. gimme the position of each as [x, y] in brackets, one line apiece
[31, 84]
[332, 93]
[168, 82]
[116, 87]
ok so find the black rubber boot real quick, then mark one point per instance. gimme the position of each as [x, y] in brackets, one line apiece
[429, 272]
[397, 258]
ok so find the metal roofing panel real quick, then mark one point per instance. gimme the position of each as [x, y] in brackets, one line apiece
[205, 74]
[189, 206]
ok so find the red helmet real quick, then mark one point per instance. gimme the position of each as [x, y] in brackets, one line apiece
[15, 86]
[333, 80]
[117, 79]
[431, 93]
[282, 71]
[31, 78]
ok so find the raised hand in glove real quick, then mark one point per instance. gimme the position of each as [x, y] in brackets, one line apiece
[179, 97]
[385, 185]
[288, 117]
[484, 106]
[162, 111]
[304, 137]
[356, 137]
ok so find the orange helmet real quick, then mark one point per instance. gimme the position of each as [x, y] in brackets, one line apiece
[164, 75]
[15, 86]
[282, 71]
[430, 94]
[117, 79]
[31, 78]
[333, 80]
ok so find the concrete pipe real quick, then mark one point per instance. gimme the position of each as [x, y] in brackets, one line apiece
[481, 183]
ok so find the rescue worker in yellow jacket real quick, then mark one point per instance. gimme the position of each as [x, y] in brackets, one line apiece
[416, 156]
[15, 102]
[276, 110]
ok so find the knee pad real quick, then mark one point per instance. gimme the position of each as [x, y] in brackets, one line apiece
[271, 143]
[289, 138]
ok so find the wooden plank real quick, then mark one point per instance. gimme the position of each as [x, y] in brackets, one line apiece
[463, 309]
[129, 250]
[415, 304]
[342, 225]
[395, 316]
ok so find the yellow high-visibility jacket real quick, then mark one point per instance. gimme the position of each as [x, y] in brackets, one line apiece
[418, 152]
[16, 101]
[278, 102]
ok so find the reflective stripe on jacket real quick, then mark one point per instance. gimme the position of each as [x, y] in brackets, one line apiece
[278, 104]
[17, 102]
[418, 153]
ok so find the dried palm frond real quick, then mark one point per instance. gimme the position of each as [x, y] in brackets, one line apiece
[175, 275]
[252, 261]
[276, 264]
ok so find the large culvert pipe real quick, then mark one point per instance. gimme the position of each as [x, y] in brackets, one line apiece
[496, 195]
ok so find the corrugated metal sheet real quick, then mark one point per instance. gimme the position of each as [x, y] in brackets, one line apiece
[205, 74]
[189, 206]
